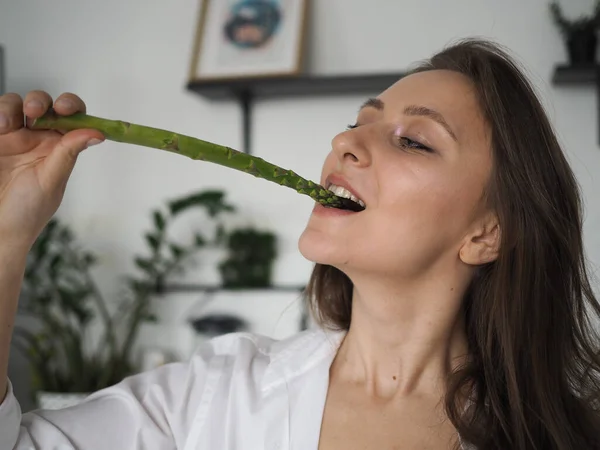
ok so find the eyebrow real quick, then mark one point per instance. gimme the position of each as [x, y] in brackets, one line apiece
[413, 110]
[373, 103]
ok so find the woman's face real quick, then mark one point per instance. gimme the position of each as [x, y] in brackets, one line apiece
[419, 158]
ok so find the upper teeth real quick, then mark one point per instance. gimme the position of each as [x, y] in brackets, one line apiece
[343, 192]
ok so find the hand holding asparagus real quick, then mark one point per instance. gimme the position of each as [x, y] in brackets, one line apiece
[34, 169]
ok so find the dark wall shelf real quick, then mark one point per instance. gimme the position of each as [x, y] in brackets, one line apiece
[564, 75]
[207, 289]
[579, 75]
[293, 86]
[245, 91]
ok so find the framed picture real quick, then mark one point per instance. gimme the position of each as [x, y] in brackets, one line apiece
[1, 70]
[248, 38]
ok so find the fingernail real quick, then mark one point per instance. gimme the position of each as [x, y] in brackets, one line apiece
[94, 141]
[3, 121]
[34, 104]
[65, 103]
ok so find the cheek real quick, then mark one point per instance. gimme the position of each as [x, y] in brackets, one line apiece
[433, 206]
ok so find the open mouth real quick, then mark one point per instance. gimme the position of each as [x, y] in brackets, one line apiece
[349, 200]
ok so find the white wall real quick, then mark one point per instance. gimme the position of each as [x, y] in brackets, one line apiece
[129, 60]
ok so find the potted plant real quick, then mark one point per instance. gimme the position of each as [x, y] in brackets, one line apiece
[61, 295]
[250, 259]
[579, 34]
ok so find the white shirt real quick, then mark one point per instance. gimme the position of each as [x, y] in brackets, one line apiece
[239, 391]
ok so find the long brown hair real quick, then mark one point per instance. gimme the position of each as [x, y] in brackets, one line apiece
[534, 364]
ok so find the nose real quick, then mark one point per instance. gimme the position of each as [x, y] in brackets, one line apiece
[350, 147]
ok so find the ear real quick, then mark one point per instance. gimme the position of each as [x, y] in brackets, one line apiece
[482, 245]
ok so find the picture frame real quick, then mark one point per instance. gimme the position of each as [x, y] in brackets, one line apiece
[237, 39]
[2, 83]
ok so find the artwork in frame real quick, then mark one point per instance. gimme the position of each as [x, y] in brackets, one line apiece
[248, 39]
[1, 70]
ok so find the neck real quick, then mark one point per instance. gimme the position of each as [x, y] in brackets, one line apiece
[403, 339]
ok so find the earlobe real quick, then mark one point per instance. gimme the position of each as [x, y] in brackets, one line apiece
[483, 246]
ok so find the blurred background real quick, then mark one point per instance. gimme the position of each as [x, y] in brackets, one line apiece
[131, 61]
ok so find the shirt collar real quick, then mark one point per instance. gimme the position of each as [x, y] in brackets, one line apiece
[294, 356]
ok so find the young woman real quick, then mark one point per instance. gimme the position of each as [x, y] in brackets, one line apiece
[455, 311]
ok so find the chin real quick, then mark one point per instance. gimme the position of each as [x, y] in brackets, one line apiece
[318, 247]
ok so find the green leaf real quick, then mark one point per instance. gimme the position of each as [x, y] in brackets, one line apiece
[150, 317]
[135, 284]
[73, 302]
[40, 248]
[218, 206]
[89, 259]
[153, 241]
[176, 250]
[212, 200]
[44, 299]
[221, 234]
[66, 235]
[55, 263]
[144, 264]
[199, 240]
[159, 221]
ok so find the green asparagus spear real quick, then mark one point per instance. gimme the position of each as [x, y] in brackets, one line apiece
[197, 149]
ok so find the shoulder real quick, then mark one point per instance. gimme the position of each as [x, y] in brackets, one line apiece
[227, 379]
[236, 362]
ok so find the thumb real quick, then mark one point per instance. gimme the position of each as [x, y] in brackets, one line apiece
[60, 162]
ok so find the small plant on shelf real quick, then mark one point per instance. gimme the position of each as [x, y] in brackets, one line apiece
[579, 34]
[250, 260]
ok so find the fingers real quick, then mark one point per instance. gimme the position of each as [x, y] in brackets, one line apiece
[60, 162]
[68, 103]
[11, 113]
[36, 103]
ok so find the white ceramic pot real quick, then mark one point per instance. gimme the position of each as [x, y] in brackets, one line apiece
[58, 400]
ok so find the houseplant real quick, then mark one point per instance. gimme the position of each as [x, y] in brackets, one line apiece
[60, 294]
[579, 34]
[251, 254]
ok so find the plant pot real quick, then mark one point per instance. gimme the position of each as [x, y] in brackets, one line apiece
[58, 400]
[581, 48]
[217, 324]
[241, 274]
[213, 325]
